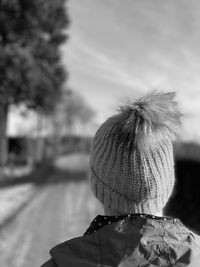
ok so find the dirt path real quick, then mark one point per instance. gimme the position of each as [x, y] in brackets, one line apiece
[60, 211]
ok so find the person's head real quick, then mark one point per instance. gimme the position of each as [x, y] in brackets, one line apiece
[132, 163]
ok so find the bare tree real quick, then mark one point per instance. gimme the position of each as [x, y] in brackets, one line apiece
[74, 110]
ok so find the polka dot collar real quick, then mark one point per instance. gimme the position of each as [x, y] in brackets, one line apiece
[102, 220]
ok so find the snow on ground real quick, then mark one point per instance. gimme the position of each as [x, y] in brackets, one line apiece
[12, 199]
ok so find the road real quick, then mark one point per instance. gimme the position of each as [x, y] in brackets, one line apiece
[62, 209]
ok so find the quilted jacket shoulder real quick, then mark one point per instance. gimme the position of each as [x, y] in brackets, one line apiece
[130, 243]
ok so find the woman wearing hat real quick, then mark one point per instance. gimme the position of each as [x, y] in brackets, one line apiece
[132, 174]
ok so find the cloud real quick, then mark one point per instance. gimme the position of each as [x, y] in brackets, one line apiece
[82, 56]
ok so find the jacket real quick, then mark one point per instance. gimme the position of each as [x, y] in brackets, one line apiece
[136, 240]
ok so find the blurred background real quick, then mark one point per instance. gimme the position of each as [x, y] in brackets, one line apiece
[65, 66]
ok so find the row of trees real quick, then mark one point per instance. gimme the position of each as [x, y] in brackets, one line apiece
[31, 72]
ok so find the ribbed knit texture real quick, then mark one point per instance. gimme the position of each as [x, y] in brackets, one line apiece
[127, 181]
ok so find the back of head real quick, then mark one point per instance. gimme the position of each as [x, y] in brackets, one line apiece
[132, 165]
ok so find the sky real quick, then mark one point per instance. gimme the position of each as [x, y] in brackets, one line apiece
[122, 49]
[119, 50]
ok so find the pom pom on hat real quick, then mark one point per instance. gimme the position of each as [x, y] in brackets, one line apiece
[148, 121]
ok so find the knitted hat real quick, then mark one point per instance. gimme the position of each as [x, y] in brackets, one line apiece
[131, 164]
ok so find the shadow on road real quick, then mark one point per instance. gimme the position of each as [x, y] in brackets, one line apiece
[45, 175]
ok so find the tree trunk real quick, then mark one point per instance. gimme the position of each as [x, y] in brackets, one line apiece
[40, 139]
[3, 137]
